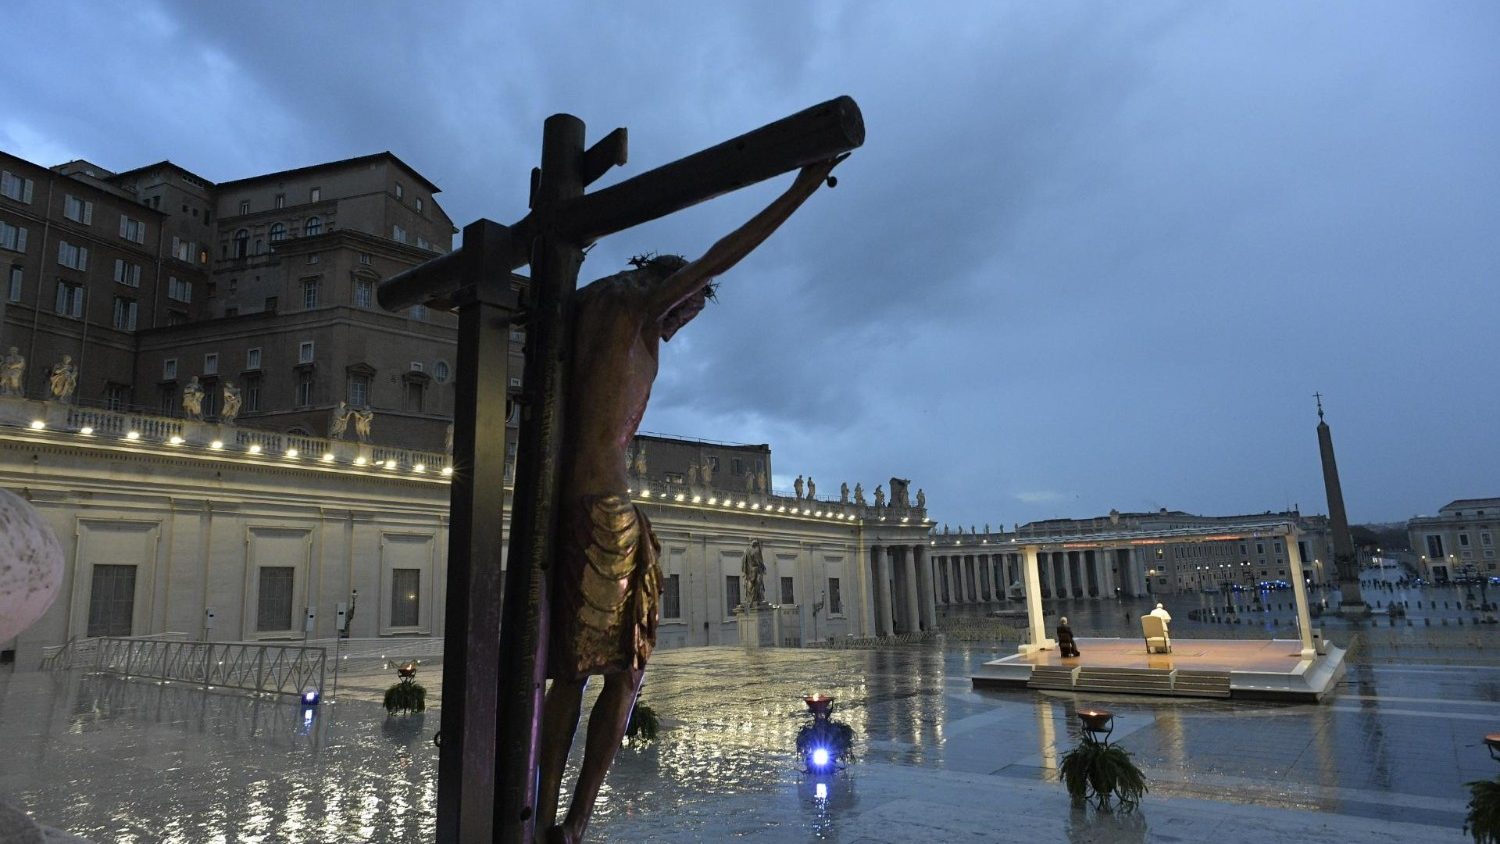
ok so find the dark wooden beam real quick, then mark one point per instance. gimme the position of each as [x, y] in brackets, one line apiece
[811, 135]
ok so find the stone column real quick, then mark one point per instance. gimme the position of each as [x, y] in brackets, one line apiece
[882, 591]
[1299, 592]
[929, 594]
[1067, 574]
[972, 574]
[899, 622]
[1031, 578]
[981, 579]
[914, 602]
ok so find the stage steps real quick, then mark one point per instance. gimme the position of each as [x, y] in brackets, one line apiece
[1137, 681]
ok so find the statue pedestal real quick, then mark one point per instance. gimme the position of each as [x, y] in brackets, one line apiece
[757, 626]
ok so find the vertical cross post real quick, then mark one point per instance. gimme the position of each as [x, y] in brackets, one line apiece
[555, 262]
[471, 644]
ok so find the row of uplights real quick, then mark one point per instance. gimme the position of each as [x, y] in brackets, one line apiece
[730, 503]
[256, 449]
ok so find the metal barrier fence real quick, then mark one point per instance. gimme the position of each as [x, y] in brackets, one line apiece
[277, 669]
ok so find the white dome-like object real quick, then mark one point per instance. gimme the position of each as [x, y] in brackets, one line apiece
[31, 565]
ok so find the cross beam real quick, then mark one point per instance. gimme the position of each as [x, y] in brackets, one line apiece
[811, 135]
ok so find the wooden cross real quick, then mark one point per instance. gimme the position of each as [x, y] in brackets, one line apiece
[494, 662]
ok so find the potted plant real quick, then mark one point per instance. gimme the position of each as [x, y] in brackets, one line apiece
[644, 722]
[1483, 820]
[407, 696]
[1100, 772]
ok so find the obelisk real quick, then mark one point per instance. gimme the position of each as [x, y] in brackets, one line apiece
[1345, 563]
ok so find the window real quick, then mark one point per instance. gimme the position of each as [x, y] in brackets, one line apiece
[273, 609]
[278, 232]
[244, 206]
[169, 369]
[309, 293]
[74, 257]
[127, 273]
[116, 396]
[835, 597]
[358, 394]
[168, 401]
[251, 395]
[179, 290]
[78, 210]
[364, 258]
[252, 358]
[312, 257]
[15, 187]
[132, 230]
[400, 191]
[419, 205]
[241, 243]
[315, 195]
[1278, 546]
[211, 363]
[1463, 540]
[416, 394]
[731, 593]
[125, 312]
[305, 351]
[364, 293]
[422, 243]
[671, 596]
[788, 595]
[398, 234]
[440, 372]
[280, 200]
[183, 250]
[270, 305]
[736, 466]
[12, 237]
[406, 593]
[70, 299]
[14, 293]
[314, 225]
[111, 601]
[304, 389]
[1485, 539]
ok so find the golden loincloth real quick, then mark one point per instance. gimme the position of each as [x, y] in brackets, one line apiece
[605, 590]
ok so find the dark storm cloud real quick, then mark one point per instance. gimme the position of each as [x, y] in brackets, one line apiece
[1090, 256]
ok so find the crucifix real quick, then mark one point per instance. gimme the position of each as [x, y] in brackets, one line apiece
[582, 581]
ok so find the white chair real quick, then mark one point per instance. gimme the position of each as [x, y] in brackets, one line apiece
[1154, 629]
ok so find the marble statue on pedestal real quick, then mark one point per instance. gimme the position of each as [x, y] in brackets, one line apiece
[12, 373]
[63, 379]
[192, 400]
[844, 493]
[694, 474]
[338, 423]
[232, 401]
[362, 420]
[797, 487]
[812, 488]
[922, 500]
[859, 493]
[879, 496]
[753, 574]
[640, 459]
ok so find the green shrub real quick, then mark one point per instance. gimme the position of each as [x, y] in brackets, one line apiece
[1097, 771]
[1483, 820]
[405, 697]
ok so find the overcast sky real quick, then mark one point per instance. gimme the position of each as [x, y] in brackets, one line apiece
[1090, 256]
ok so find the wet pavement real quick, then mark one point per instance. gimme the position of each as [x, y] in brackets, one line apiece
[1385, 759]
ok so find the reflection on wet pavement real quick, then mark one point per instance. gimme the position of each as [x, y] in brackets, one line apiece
[117, 760]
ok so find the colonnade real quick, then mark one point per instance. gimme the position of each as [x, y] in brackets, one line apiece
[903, 590]
[973, 576]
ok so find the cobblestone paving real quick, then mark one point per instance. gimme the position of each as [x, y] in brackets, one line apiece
[1384, 760]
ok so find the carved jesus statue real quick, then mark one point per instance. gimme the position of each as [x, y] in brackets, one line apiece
[606, 581]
